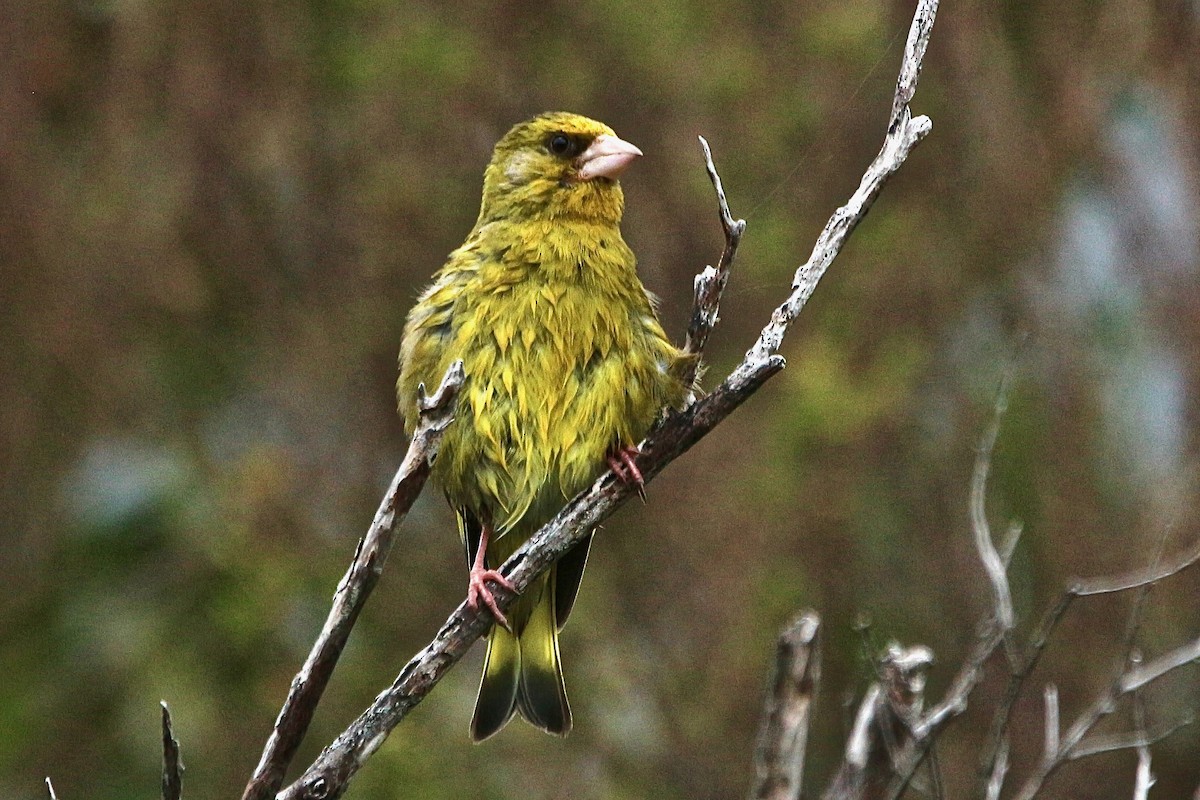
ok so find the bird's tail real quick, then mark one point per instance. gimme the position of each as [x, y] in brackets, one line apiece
[522, 672]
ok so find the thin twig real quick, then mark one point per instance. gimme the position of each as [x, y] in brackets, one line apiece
[436, 413]
[1143, 778]
[1050, 733]
[1040, 637]
[1011, 537]
[904, 133]
[709, 285]
[999, 770]
[914, 57]
[172, 772]
[783, 734]
[1098, 744]
[881, 739]
[993, 563]
[926, 731]
[1127, 680]
[1140, 676]
[1139, 578]
[851, 779]
[998, 732]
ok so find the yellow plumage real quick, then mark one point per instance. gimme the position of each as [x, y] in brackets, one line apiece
[566, 363]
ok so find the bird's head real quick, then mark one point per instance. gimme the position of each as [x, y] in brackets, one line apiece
[557, 166]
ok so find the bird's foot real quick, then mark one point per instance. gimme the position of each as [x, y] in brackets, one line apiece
[479, 593]
[621, 462]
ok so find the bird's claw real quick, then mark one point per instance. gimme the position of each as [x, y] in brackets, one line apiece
[478, 592]
[621, 462]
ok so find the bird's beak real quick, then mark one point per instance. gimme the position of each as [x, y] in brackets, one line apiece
[606, 157]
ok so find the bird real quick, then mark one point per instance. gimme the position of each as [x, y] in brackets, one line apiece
[567, 368]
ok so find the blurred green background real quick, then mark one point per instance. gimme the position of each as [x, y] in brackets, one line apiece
[214, 217]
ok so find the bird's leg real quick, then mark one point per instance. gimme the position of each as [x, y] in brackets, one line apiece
[477, 589]
[621, 462]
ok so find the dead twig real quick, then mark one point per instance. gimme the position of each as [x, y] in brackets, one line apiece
[709, 285]
[783, 734]
[172, 773]
[1040, 637]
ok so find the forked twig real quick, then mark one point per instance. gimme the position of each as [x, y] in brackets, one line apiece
[1040, 637]
[709, 285]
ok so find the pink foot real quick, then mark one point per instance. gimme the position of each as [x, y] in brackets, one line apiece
[621, 462]
[478, 591]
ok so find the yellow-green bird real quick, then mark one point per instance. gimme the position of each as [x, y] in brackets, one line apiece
[566, 366]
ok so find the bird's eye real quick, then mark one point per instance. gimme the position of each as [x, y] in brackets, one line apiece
[559, 144]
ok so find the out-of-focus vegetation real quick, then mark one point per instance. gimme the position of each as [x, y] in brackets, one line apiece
[214, 216]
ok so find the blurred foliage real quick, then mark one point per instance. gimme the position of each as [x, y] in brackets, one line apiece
[214, 216]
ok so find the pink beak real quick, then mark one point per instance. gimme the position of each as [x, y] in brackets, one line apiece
[606, 157]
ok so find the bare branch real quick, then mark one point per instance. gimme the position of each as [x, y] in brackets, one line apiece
[783, 734]
[999, 770]
[926, 730]
[993, 563]
[1109, 743]
[172, 774]
[851, 779]
[1009, 546]
[434, 416]
[858, 745]
[1050, 737]
[881, 739]
[1139, 578]
[904, 133]
[710, 284]
[964, 683]
[914, 57]
[1143, 779]
[1040, 637]
[904, 672]
[1072, 744]
[1139, 677]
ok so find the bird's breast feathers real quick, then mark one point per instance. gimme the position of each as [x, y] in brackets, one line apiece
[564, 359]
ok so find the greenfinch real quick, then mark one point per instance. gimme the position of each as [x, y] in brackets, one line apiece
[567, 367]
